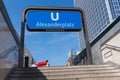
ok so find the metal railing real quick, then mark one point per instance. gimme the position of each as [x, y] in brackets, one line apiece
[112, 47]
[7, 52]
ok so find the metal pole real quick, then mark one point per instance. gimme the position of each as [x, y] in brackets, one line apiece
[21, 47]
[88, 46]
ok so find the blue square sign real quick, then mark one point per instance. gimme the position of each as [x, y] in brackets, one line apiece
[54, 20]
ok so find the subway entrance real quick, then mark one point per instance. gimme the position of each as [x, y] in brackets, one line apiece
[38, 19]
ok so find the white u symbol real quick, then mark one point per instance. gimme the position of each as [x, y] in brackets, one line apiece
[53, 17]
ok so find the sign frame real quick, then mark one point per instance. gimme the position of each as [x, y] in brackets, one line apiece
[23, 24]
[55, 29]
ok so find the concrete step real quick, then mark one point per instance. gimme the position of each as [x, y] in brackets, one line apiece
[62, 74]
[76, 69]
[38, 78]
[96, 78]
[63, 69]
[58, 77]
[84, 76]
[81, 72]
[87, 72]
[67, 72]
[26, 69]
[66, 67]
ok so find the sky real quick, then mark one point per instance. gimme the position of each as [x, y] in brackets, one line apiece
[51, 46]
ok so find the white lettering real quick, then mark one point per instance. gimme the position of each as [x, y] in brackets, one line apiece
[59, 25]
[53, 17]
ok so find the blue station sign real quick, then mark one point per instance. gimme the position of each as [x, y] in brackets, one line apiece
[54, 20]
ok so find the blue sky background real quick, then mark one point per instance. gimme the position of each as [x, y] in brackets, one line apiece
[53, 46]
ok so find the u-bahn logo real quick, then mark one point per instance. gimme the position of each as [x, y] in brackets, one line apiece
[55, 17]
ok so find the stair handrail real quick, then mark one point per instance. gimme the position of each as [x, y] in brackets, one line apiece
[7, 52]
[113, 47]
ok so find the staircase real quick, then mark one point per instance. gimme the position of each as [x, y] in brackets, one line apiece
[86, 72]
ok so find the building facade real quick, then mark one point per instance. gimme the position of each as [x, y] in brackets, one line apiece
[72, 54]
[99, 15]
[9, 44]
[8, 40]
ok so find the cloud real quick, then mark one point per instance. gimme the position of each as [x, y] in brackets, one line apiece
[63, 37]
[51, 37]
[27, 33]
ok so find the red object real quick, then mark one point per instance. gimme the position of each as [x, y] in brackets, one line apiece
[43, 63]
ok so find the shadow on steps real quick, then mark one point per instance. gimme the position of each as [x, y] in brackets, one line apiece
[26, 74]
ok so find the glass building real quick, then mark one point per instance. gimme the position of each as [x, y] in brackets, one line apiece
[99, 14]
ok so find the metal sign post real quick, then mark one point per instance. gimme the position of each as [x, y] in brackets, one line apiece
[53, 20]
[88, 46]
